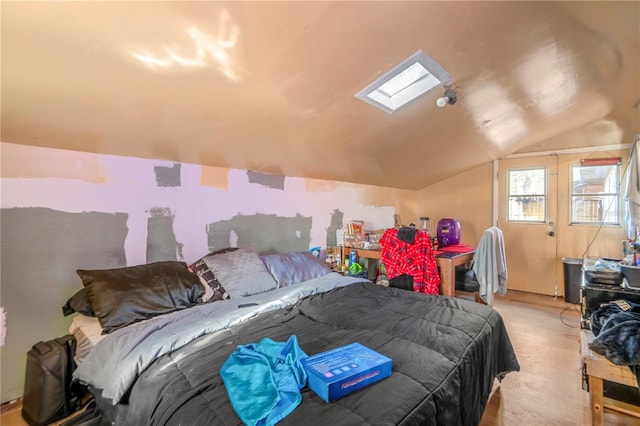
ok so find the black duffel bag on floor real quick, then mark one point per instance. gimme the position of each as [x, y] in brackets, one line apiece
[49, 394]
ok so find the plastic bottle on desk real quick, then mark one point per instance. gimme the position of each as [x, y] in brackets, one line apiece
[345, 266]
[425, 223]
[382, 279]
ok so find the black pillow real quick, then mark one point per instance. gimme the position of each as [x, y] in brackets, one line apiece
[123, 296]
[79, 302]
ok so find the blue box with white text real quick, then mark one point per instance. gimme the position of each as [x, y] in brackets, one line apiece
[338, 372]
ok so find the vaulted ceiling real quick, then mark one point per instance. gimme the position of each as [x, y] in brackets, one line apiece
[269, 86]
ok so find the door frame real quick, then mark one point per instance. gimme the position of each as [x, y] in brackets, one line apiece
[572, 240]
[532, 262]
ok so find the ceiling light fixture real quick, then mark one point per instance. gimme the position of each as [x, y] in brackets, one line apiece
[407, 81]
[449, 97]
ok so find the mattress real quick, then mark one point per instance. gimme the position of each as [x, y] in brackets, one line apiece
[88, 332]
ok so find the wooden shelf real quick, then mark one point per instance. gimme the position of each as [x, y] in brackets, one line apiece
[598, 368]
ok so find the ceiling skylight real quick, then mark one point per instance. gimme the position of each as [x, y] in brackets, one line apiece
[409, 80]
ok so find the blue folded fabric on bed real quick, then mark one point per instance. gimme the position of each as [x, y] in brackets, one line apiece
[263, 380]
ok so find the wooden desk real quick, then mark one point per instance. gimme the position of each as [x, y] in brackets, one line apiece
[447, 267]
[368, 254]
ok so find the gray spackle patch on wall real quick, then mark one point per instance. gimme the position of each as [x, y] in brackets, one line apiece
[266, 233]
[41, 251]
[336, 222]
[168, 176]
[270, 181]
[161, 240]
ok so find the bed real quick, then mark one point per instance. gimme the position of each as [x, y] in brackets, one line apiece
[446, 353]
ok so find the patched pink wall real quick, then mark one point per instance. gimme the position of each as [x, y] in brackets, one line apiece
[65, 210]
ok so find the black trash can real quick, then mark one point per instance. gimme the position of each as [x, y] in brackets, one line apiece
[572, 279]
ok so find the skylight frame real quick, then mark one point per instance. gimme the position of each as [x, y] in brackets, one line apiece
[374, 96]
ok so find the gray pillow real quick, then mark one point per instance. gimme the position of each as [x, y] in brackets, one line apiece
[241, 273]
[294, 268]
[213, 289]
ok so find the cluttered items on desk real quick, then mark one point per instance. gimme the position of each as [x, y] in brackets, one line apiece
[354, 235]
[602, 270]
[630, 264]
[344, 260]
[448, 233]
[343, 257]
[612, 272]
[341, 371]
[604, 280]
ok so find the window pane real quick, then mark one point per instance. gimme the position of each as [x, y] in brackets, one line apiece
[594, 179]
[527, 197]
[587, 209]
[526, 182]
[594, 194]
[527, 209]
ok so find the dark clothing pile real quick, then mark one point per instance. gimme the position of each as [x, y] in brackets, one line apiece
[616, 326]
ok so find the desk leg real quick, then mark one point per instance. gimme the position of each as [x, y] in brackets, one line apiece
[447, 275]
[447, 267]
[596, 395]
[372, 269]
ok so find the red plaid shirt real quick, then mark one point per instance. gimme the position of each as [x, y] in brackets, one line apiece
[417, 259]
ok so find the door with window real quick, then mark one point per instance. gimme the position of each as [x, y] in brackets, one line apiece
[552, 207]
[527, 213]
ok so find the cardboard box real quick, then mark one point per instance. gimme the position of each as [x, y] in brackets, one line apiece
[338, 372]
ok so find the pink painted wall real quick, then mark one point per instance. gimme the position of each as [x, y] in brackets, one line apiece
[65, 210]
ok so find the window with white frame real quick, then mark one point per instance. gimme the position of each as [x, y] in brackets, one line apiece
[527, 195]
[595, 196]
